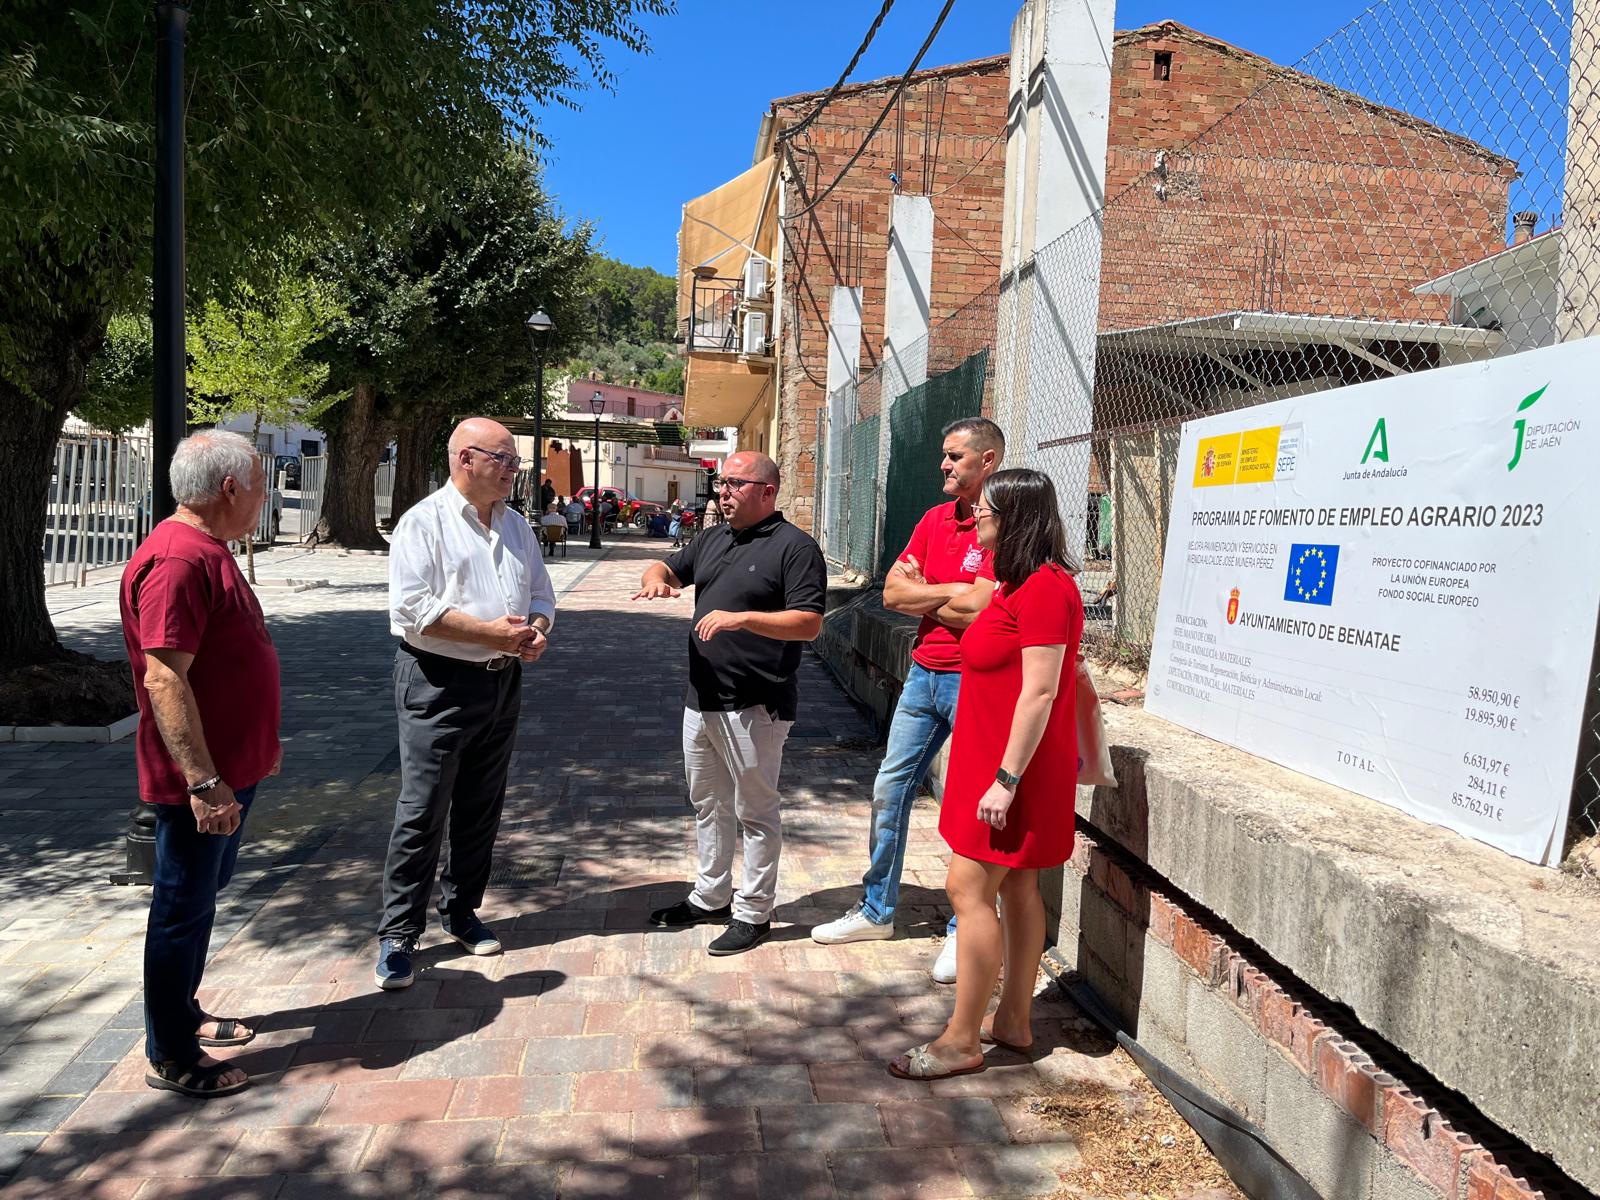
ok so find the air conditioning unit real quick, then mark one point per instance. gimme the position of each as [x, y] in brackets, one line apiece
[755, 333]
[755, 278]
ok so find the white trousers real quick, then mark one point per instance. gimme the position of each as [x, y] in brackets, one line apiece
[732, 760]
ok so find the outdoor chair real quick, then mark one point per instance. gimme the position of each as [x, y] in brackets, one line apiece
[555, 535]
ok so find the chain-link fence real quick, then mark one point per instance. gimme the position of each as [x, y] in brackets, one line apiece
[1390, 204]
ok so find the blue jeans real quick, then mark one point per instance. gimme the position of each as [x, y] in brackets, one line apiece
[921, 724]
[191, 868]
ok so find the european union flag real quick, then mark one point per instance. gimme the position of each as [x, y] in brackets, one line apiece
[1311, 573]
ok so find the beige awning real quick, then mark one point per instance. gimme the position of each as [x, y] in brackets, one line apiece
[724, 227]
[719, 390]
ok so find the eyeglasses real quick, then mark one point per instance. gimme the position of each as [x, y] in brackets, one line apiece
[729, 484]
[509, 461]
[979, 509]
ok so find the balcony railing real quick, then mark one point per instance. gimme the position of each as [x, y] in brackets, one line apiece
[714, 309]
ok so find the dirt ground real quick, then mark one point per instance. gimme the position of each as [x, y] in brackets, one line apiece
[74, 689]
[1133, 1143]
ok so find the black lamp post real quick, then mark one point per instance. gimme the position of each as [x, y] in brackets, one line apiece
[539, 326]
[598, 403]
[167, 414]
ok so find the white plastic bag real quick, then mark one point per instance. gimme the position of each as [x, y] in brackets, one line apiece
[1094, 751]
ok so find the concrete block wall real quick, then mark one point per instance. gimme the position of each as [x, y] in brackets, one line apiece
[1273, 937]
[1355, 1118]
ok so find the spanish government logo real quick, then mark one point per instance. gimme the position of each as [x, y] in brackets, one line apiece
[1311, 574]
[1233, 606]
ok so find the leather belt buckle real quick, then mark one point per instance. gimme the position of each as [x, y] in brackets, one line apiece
[498, 664]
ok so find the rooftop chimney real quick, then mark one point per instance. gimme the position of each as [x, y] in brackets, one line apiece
[1522, 224]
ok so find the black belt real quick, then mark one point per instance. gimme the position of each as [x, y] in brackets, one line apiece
[493, 664]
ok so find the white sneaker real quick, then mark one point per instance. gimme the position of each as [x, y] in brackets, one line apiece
[852, 927]
[944, 967]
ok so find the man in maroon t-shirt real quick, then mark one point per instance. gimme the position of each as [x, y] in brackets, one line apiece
[206, 677]
[945, 578]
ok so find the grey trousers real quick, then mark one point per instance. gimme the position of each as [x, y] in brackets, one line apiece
[733, 760]
[457, 724]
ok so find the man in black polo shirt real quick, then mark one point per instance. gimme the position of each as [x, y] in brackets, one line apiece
[759, 587]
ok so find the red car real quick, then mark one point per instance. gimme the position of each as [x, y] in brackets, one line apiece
[626, 504]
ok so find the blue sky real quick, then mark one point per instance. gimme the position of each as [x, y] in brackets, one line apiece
[684, 119]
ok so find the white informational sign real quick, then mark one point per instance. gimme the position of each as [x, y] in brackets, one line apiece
[1393, 587]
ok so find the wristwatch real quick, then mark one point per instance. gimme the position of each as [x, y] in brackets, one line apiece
[1004, 776]
[205, 786]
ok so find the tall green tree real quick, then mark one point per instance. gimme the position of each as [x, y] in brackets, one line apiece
[306, 119]
[248, 358]
[433, 328]
[120, 381]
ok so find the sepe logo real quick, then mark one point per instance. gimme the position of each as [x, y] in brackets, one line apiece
[1233, 606]
[1522, 426]
[1311, 574]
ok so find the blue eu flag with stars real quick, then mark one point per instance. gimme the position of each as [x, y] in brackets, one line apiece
[1311, 574]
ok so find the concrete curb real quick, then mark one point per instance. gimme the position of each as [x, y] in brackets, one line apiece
[114, 732]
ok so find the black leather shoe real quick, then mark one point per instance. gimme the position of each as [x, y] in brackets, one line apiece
[739, 937]
[683, 914]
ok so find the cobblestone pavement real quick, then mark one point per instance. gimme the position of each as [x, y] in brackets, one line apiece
[594, 1057]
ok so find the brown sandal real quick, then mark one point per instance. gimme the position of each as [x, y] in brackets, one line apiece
[228, 1033]
[200, 1080]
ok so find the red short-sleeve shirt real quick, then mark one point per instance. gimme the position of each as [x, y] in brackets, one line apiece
[1045, 610]
[183, 591]
[948, 551]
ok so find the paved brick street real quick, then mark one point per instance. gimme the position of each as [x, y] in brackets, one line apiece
[595, 1057]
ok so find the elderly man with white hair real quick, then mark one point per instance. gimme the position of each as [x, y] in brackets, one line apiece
[206, 676]
[471, 602]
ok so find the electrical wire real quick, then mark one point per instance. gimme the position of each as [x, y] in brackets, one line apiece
[998, 138]
[882, 117]
[799, 127]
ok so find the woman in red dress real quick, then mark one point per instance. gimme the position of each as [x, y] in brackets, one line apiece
[1013, 774]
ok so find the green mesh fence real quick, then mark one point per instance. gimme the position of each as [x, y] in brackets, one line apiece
[863, 488]
[915, 421]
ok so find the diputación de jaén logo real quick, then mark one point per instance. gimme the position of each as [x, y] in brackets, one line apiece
[1522, 426]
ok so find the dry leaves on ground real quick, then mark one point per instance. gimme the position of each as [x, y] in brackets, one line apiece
[1133, 1144]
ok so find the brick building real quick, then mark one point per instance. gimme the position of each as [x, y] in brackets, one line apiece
[1233, 185]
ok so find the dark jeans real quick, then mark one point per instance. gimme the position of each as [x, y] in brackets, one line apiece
[457, 724]
[191, 868]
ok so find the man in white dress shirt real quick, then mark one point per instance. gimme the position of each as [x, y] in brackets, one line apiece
[471, 601]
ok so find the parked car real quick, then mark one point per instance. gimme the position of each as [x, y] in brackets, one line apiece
[288, 466]
[644, 510]
[626, 503]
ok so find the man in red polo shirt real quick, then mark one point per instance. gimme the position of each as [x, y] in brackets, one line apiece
[943, 561]
[206, 677]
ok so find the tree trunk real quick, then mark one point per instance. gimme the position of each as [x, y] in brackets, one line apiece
[355, 444]
[415, 454]
[29, 431]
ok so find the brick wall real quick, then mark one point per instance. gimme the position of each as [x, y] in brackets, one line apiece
[1304, 200]
[950, 123]
[1348, 1112]
[1288, 195]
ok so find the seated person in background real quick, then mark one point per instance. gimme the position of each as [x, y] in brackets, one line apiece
[552, 518]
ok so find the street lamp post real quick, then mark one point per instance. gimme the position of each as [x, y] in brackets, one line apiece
[167, 416]
[598, 403]
[539, 326]
[167, 326]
